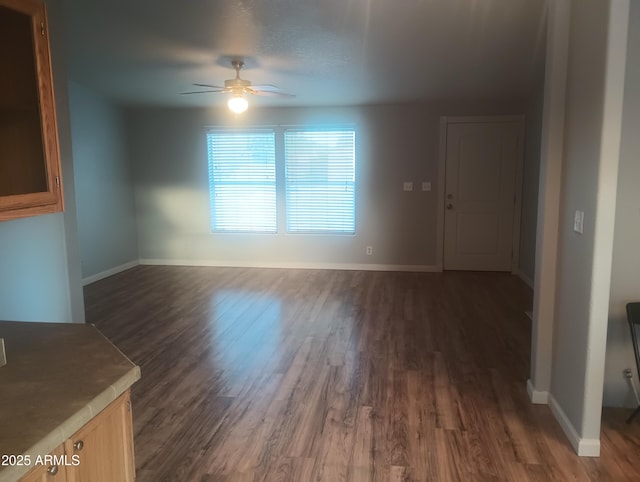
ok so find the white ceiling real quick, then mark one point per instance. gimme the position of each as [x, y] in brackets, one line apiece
[327, 52]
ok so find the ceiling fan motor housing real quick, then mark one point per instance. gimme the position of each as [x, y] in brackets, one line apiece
[231, 83]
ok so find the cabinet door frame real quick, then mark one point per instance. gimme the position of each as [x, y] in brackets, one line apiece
[41, 473]
[51, 200]
[120, 409]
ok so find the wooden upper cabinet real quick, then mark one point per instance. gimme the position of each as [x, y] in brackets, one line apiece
[30, 175]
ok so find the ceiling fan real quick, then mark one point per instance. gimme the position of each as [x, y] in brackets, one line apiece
[238, 88]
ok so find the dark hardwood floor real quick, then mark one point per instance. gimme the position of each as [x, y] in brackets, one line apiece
[305, 375]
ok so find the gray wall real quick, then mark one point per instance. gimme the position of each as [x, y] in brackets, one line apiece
[625, 277]
[104, 191]
[530, 183]
[591, 152]
[34, 282]
[39, 261]
[396, 143]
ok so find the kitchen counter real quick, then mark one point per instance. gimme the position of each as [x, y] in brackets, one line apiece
[58, 376]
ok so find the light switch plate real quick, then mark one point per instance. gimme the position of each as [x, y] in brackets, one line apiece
[578, 222]
[407, 186]
[426, 186]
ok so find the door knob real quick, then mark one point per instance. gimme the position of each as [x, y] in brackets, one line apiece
[449, 206]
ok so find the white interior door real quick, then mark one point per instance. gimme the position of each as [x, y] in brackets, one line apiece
[480, 194]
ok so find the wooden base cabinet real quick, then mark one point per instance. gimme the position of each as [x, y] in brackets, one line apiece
[105, 446]
[101, 451]
[48, 472]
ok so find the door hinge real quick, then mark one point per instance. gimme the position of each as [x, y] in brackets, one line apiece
[58, 181]
[42, 29]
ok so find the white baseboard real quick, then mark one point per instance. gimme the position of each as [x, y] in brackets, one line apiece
[584, 447]
[528, 281]
[538, 397]
[109, 272]
[293, 265]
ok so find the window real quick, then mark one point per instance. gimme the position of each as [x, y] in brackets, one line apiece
[242, 181]
[319, 184]
[320, 181]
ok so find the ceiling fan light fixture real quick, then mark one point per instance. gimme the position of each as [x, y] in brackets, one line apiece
[239, 88]
[237, 104]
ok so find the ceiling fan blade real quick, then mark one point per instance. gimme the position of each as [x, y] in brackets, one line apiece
[266, 87]
[208, 85]
[268, 93]
[204, 92]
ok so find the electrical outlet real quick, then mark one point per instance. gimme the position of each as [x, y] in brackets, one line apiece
[369, 250]
[426, 186]
[407, 186]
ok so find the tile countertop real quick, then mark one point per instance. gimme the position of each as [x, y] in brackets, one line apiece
[58, 376]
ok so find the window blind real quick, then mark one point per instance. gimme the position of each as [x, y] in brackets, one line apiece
[242, 181]
[320, 181]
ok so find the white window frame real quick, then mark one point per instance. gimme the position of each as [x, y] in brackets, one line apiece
[331, 186]
[259, 214]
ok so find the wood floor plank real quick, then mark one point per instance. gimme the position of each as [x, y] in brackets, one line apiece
[318, 375]
[361, 461]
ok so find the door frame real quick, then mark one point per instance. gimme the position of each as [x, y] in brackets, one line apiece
[445, 121]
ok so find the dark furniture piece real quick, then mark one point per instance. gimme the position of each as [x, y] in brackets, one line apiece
[633, 316]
